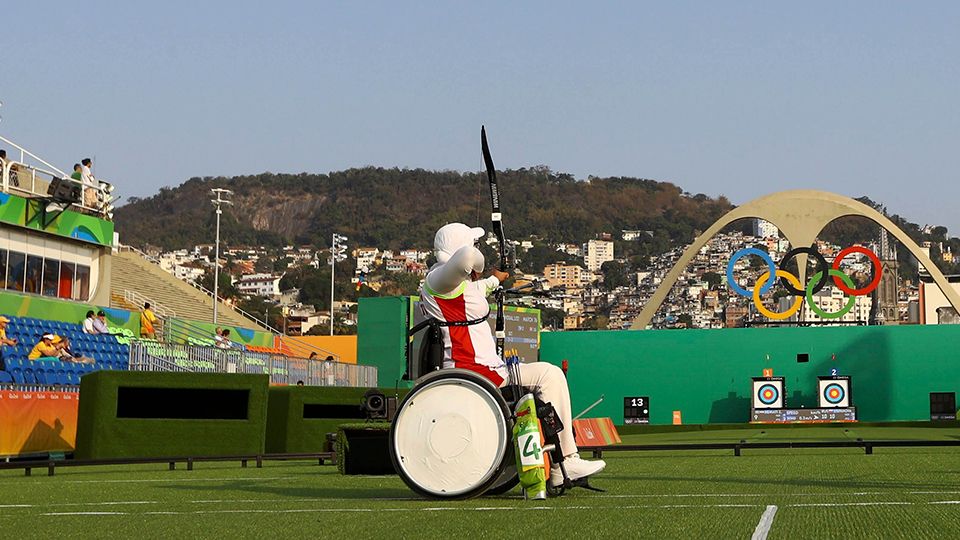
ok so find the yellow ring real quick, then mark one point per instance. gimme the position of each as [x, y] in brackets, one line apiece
[794, 280]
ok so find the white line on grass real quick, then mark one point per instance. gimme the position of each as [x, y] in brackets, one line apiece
[180, 480]
[766, 520]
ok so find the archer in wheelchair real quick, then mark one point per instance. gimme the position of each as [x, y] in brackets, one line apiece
[476, 423]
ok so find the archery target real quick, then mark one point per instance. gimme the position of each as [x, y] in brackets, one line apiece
[834, 393]
[768, 394]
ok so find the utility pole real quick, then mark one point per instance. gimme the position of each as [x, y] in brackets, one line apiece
[220, 195]
[338, 253]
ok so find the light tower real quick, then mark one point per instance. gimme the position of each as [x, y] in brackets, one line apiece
[220, 195]
[338, 252]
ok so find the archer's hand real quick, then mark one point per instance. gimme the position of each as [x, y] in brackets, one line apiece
[501, 276]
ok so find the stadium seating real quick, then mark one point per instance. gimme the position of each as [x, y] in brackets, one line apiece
[110, 352]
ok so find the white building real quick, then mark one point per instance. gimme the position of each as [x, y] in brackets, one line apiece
[831, 300]
[764, 229]
[366, 258]
[259, 285]
[631, 236]
[597, 252]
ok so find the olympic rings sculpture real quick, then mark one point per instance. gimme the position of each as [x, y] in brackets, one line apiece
[818, 280]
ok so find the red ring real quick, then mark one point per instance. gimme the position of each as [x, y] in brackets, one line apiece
[873, 260]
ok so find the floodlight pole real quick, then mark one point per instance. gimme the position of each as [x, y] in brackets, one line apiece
[335, 247]
[219, 193]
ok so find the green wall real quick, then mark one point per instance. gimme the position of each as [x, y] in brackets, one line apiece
[26, 213]
[289, 432]
[25, 305]
[382, 337]
[706, 373]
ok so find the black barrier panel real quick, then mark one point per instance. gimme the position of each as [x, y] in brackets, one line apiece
[320, 410]
[182, 403]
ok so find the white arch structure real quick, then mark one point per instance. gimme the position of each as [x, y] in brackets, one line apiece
[800, 215]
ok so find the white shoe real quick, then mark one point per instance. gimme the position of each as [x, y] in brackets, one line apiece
[576, 468]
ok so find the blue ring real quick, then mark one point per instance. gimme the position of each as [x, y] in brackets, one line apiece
[826, 393]
[743, 253]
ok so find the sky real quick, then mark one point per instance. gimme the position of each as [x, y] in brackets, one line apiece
[735, 98]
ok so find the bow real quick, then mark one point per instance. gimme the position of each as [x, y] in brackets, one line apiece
[495, 217]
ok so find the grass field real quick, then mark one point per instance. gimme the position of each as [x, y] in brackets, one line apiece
[817, 493]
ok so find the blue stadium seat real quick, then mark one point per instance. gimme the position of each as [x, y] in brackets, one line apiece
[29, 377]
[72, 378]
[6, 378]
[61, 377]
[18, 377]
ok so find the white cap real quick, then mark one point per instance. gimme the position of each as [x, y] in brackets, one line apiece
[452, 237]
[46, 336]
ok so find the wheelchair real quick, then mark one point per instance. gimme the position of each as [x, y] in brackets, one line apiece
[452, 435]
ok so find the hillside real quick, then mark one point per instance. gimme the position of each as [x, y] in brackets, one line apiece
[394, 208]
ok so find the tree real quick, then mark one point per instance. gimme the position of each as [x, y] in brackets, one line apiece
[713, 279]
[551, 318]
[226, 288]
[614, 275]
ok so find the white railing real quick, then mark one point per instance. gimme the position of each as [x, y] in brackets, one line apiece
[137, 299]
[19, 177]
[299, 345]
[153, 356]
[205, 291]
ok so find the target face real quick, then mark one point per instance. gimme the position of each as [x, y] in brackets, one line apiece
[767, 394]
[834, 392]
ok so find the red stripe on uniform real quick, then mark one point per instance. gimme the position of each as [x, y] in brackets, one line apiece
[461, 351]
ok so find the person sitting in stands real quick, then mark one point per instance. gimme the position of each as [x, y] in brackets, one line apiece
[88, 327]
[45, 350]
[147, 320]
[64, 354]
[224, 342]
[4, 340]
[100, 324]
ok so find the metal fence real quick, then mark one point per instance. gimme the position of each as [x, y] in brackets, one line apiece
[155, 356]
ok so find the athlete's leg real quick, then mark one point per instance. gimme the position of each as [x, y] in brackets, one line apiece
[550, 381]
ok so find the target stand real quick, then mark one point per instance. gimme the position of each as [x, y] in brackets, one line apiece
[768, 393]
[833, 392]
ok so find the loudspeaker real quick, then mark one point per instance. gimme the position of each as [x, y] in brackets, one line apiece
[833, 392]
[768, 392]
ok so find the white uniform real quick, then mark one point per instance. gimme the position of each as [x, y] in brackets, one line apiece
[448, 295]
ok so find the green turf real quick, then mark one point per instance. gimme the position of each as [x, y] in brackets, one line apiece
[842, 493]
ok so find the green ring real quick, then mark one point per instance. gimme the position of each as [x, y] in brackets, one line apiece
[813, 305]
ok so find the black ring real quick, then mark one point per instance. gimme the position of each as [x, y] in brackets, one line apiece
[824, 270]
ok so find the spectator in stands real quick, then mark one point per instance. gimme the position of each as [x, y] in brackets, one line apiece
[4, 340]
[328, 370]
[14, 181]
[45, 350]
[313, 355]
[218, 336]
[77, 173]
[88, 324]
[64, 353]
[147, 322]
[224, 342]
[100, 324]
[90, 184]
[299, 383]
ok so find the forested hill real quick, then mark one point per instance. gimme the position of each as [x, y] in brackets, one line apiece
[394, 208]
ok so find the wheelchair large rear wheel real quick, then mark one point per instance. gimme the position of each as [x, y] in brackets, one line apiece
[451, 435]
